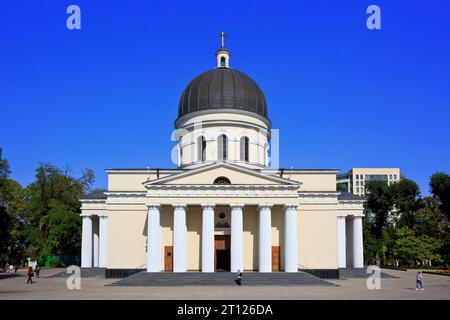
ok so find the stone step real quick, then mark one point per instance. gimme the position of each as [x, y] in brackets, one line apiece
[347, 273]
[220, 278]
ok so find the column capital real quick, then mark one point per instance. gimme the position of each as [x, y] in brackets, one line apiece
[265, 206]
[208, 205]
[103, 216]
[153, 205]
[179, 206]
[341, 215]
[291, 206]
[237, 205]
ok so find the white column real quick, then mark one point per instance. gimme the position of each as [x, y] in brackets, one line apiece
[179, 238]
[358, 258]
[86, 243]
[237, 238]
[154, 243]
[208, 238]
[341, 241]
[103, 229]
[95, 230]
[265, 238]
[290, 238]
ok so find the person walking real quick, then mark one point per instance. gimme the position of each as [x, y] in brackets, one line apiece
[239, 278]
[37, 269]
[30, 275]
[419, 281]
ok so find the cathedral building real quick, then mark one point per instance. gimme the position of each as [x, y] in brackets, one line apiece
[223, 208]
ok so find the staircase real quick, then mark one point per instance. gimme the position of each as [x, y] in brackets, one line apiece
[143, 278]
[346, 273]
[98, 273]
[93, 272]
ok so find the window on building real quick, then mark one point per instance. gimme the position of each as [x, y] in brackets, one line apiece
[390, 177]
[222, 147]
[222, 180]
[357, 183]
[266, 154]
[377, 177]
[244, 149]
[201, 148]
[357, 189]
[357, 176]
[180, 148]
[395, 177]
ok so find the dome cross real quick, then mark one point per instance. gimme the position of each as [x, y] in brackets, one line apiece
[223, 35]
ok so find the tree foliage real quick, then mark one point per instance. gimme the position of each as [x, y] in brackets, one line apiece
[341, 187]
[53, 222]
[12, 208]
[440, 187]
[406, 201]
[410, 249]
[404, 228]
[43, 218]
[379, 203]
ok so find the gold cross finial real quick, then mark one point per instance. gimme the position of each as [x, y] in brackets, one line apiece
[223, 35]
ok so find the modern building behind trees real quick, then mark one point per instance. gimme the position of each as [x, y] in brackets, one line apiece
[354, 181]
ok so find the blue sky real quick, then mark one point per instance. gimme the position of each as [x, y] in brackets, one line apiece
[342, 96]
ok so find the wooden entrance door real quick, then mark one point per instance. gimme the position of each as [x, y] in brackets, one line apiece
[168, 258]
[276, 261]
[222, 252]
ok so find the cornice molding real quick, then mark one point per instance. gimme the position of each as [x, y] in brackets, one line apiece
[222, 191]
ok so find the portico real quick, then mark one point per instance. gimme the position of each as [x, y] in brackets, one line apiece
[236, 232]
[350, 232]
[94, 239]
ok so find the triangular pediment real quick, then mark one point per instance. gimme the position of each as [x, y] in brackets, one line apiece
[238, 175]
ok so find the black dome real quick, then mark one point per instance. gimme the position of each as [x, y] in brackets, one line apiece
[223, 88]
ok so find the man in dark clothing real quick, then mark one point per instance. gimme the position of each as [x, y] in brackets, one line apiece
[239, 278]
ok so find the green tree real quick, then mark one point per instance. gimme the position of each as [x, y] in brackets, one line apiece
[16, 207]
[406, 201]
[341, 187]
[430, 220]
[4, 170]
[5, 219]
[371, 247]
[53, 224]
[440, 187]
[409, 249]
[379, 203]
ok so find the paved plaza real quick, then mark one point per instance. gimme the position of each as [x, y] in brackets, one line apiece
[401, 286]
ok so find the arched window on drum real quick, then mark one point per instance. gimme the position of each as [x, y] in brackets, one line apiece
[244, 149]
[222, 147]
[201, 149]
